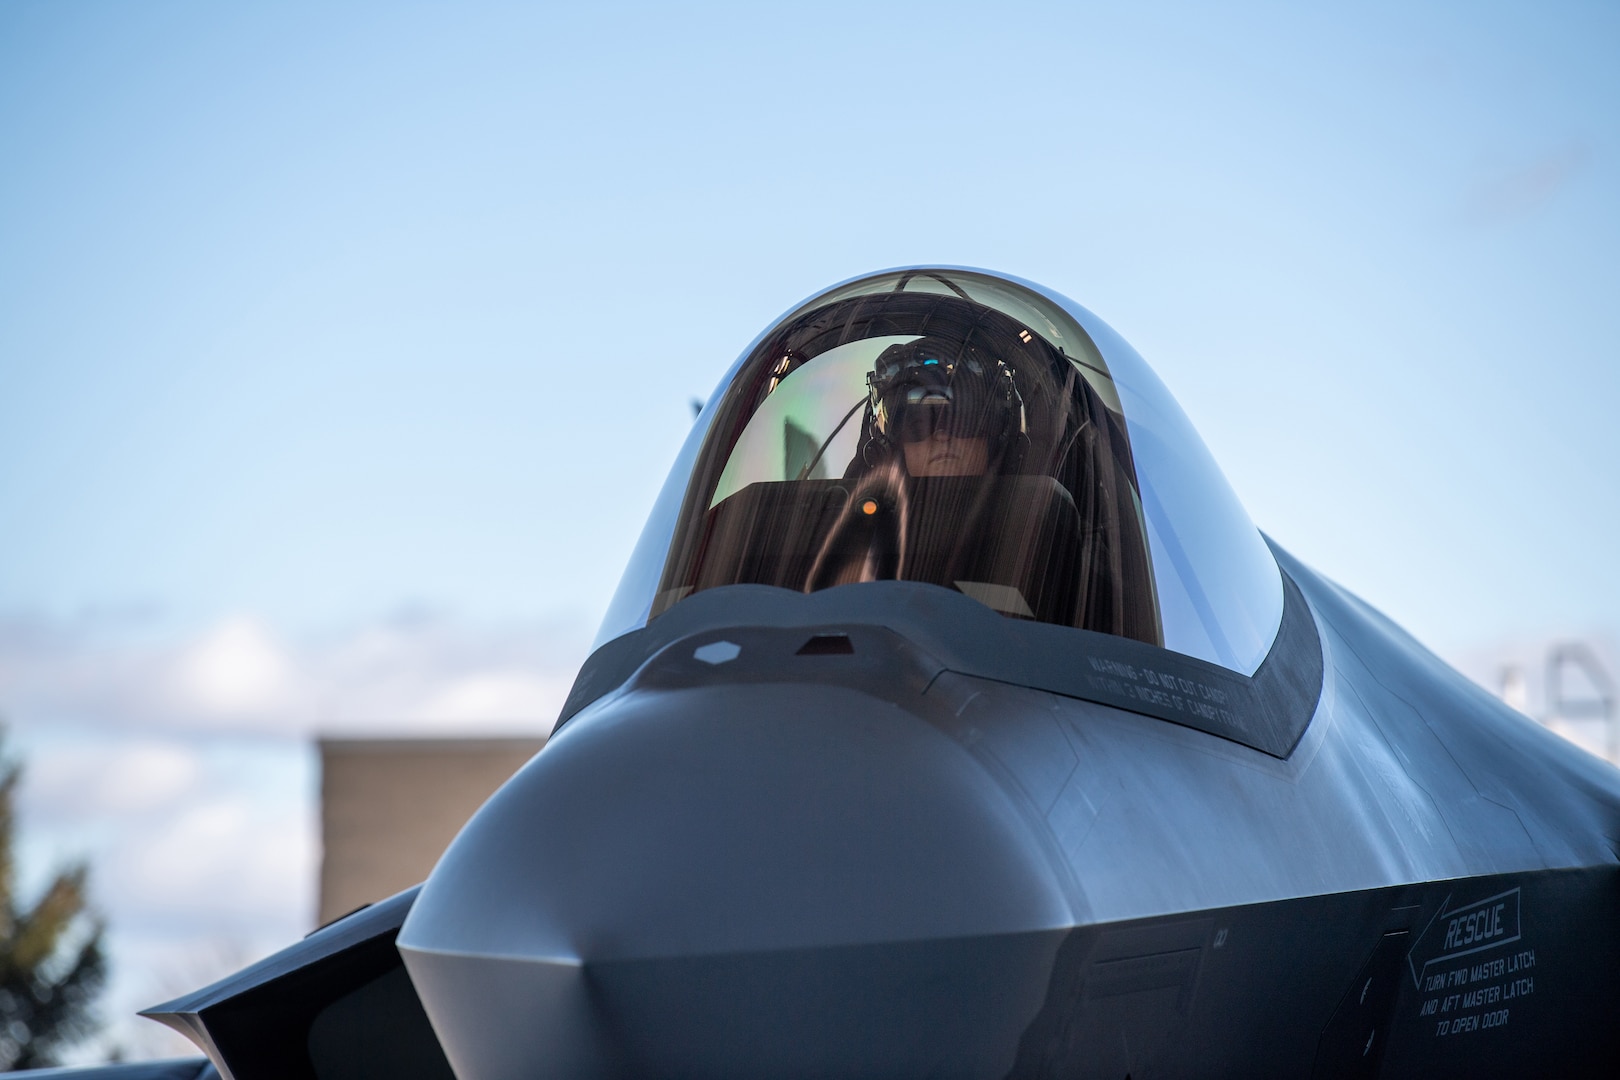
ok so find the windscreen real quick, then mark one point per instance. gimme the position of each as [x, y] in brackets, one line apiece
[975, 432]
[946, 428]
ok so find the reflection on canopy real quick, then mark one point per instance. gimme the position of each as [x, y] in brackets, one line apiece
[918, 433]
[1091, 501]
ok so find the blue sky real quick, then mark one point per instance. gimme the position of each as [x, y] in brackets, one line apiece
[344, 346]
[317, 313]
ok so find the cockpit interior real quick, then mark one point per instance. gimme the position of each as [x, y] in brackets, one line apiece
[919, 433]
[973, 432]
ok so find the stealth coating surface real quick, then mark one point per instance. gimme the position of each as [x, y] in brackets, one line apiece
[739, 865]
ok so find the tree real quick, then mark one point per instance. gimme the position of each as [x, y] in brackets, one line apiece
[51, 961]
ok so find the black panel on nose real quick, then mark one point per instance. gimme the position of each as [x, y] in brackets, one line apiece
[827, 645]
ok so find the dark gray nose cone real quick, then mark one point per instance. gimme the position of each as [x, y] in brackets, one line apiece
[776, 879]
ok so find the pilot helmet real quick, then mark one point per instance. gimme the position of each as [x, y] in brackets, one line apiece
[920, 387]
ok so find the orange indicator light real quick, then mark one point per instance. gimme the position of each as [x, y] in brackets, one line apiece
[869, 507]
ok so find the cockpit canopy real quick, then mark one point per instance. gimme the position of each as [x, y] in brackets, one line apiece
[970, 431]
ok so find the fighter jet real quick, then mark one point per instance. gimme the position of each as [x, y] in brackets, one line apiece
[952, 719]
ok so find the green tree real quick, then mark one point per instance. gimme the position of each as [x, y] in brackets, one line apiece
[51, 962]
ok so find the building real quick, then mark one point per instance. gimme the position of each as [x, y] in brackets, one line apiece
[389, 808]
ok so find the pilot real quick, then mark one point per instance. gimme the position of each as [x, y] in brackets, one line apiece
[949, 408]
[940, 412]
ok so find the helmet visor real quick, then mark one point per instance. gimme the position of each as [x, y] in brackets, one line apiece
[924, 412]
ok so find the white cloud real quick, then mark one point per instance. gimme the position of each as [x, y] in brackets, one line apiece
[95, 779]
[233, 670]
[184, 772]
[422, 675]
[492, 698]
[224, 860]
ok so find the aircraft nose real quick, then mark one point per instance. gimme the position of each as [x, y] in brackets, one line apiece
[787, 879]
